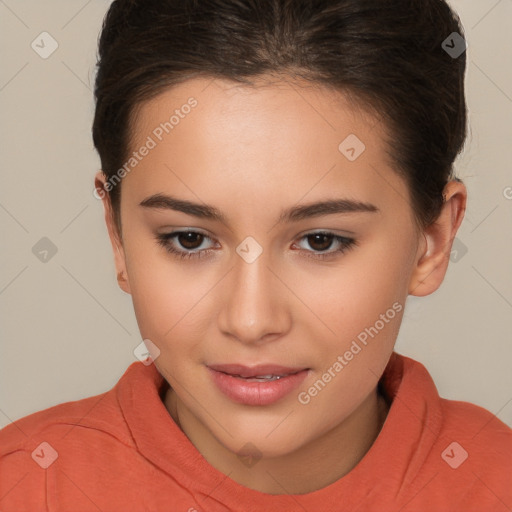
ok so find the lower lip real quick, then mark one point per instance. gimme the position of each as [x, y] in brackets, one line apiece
[256, 393]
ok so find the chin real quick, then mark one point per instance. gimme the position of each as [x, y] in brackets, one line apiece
[260, 442]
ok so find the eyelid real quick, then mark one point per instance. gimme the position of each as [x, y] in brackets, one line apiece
[344, 233]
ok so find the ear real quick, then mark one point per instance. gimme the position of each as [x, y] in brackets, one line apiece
[434, 251]
[113, 233]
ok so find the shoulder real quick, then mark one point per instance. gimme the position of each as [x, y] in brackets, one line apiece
[95, 420]
[488, 436]
[461, 453]
[69, 433]
[462, 421]
[474, 456]
[99, 412]
[98, 415]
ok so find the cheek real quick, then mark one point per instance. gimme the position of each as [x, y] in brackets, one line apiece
[168, 298]
[359, 310]
[353, 295]
[350, 362]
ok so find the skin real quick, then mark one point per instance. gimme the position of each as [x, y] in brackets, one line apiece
[251, 152]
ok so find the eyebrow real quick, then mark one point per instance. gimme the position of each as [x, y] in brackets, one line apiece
[293, 214]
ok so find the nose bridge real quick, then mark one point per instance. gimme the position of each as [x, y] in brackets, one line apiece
[252, 307]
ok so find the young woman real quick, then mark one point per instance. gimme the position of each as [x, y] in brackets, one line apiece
[277, 178]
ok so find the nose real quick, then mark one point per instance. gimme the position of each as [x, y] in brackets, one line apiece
[254, 306]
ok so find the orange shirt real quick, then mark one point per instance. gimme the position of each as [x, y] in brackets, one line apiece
[122, 451]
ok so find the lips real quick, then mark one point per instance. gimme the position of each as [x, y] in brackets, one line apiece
[256, 385]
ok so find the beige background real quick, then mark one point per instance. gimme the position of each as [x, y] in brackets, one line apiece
[68, 331]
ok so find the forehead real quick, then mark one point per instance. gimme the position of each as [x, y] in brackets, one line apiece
[284, 138]
[306, 109]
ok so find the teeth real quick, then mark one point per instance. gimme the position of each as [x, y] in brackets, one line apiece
[265, 378]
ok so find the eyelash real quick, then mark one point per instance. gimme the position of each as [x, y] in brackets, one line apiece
[164, 240]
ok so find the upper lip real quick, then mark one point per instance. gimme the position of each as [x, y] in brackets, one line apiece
[253, 371]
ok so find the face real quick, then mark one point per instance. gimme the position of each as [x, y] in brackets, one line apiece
[263, 277]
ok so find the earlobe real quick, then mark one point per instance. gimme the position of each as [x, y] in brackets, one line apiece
[431, 265]
[114, 236]
[433, 254]
[122, 274]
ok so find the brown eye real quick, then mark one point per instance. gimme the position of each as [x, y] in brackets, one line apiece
[318, 244]
[185, 244]
[320, 241]
[190, 240]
